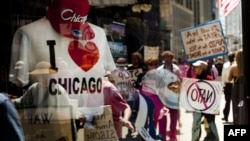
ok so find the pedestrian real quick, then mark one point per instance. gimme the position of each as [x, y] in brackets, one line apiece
[238, 98]
[121, 110]
[148, 89]
[167, 57]
[227, 85]
[212, 70]
[44, 93]
[120, 77]
[135, 68]
[10, 124]
[219, 66]
[200, 69]
[136, 61]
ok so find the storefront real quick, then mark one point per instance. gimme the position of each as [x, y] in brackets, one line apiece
[118, 27]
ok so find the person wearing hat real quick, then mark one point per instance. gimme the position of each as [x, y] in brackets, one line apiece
[219, 65]
[172, 101]
[121, 78]
[200, 69]
[147, 84]
[41, 93]
[118, 104]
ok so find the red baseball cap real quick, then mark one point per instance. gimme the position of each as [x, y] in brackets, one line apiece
[68, 17]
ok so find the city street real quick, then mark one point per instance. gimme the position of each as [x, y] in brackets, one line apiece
[185, 130]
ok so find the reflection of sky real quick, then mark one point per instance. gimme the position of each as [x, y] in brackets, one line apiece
[117, 28]
[116, 45]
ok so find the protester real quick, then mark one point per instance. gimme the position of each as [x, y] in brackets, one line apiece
[219, 66]
[120, 77]
[136, 61]
[10, 124]
[156, 116]
[120, 109]
[212, 70]
[167, 57]
[200, 69]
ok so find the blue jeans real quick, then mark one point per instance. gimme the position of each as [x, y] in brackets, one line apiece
[212, 134]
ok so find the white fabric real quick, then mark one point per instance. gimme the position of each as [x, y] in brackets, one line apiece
[167, 96]
[225, 72]
[30, 46]
[141, 120]
[157, 81]
[39, 96]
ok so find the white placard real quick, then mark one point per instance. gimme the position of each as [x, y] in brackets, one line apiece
[201, 95]
[203, 41]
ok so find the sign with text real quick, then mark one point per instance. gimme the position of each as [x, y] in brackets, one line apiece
[151, 51]
[236, 132]
[47, 123]
[125, 81]
[104, 129]
[141, 119]
[201, 95]
[203, 41]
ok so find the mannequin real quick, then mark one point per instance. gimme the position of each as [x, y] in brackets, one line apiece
[41, 94]
[65, 35]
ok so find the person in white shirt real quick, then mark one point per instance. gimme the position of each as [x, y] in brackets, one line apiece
[228, 85]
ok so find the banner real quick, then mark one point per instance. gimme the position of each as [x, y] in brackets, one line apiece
[104, 129]
[125, 81]
[201, 95]
[203, 41]
[141, 120]
[150, 51]
[48, 123]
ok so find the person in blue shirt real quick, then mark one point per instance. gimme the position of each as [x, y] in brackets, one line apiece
[10, 124]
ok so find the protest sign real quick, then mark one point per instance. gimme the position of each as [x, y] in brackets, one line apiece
[203, 41]
[48, 123]
[151, 51]
[141, 120]
[104, 129]
[201, 95]
[125, 81]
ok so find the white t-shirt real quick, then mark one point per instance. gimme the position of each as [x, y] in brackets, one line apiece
[225, 73]
[39, 96]
[167, 96]
[30, 47]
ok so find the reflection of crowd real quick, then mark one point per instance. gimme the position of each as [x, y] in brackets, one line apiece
[162, 99]
[158, 110]
[215, 69]
[41, 94]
